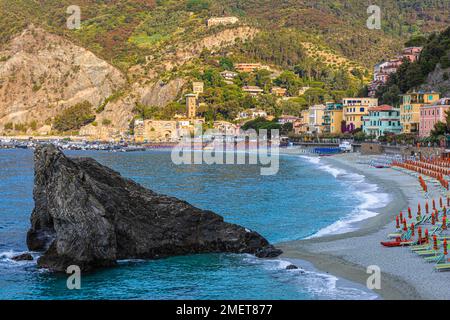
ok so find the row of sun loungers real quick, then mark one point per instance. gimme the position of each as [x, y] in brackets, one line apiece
[426, 234]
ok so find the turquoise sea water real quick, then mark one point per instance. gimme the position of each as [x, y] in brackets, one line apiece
[306, 198]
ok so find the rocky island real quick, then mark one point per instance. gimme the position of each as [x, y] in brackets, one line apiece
[89, 215]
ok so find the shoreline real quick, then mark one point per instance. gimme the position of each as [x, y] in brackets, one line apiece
[348, 255]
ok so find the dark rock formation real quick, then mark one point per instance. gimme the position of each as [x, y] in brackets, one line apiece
[291, 267]
[88, 215]
[23, 257]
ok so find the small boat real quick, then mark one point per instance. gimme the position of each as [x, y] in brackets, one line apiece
[346, 146]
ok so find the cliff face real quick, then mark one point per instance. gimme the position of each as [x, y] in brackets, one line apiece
[41, 74]
[88, 215]
[439, 81]
[120, 113]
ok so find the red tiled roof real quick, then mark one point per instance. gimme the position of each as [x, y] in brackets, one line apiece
[382, 108]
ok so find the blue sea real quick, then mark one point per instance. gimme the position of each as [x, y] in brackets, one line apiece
[307, 198]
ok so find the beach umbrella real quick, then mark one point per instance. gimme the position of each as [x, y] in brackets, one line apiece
[440, 202]
[434, 205]
[398, 222]
[437, 215]
[445, 247]
[433, 219]
[419, 231]
[401, 215]
[412, 230]
[409, 213]
[435, 243]
[448, 201]
[444, 223]
[427, 236]
[426, 207]
[418, 209]
[405, 226]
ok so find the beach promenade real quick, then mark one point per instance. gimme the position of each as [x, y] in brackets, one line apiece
[404, 274]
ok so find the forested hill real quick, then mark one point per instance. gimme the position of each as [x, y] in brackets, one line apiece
[124, 32]
[138, 58]
[430, 72]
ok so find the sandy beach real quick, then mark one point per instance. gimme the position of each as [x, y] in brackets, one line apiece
[404, 275]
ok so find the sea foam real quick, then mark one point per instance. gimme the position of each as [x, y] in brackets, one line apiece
[319, 285]
[370, 199]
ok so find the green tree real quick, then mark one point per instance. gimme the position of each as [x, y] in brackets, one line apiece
[197, 5]
[290, 81]
[144, 112]
[263, 79]
[212, 78]
[226, 63]
[74, 117]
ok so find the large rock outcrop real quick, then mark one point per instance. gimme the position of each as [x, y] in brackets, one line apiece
[88, 215]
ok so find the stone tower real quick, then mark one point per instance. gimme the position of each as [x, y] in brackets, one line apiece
[191, 106]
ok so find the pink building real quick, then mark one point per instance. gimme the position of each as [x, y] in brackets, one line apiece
[412, 53]
[430, 115]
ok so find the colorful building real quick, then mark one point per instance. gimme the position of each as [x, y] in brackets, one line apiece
[381, 120]
[432, 114]
[354, 111]
[301, 126]
[333, 117]
[410, 109]
[316, 115]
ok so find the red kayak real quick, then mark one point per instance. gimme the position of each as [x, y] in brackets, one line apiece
[399, 243]
[396, 243]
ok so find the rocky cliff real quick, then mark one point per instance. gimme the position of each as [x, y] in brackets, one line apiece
[88, 215]
[41, 74]
[439, 81]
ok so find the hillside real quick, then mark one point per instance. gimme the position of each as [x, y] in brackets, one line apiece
[42, 74]
[125, 32]
[143, 54]
[430, 72]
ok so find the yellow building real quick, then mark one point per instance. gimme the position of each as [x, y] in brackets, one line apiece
[316, 117]
[333, 117]
[410, 109]
[155, 131]
[354, 111]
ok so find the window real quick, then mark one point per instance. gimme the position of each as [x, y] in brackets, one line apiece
[361, 109]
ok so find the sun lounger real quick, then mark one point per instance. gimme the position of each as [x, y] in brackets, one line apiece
[426, 253]
[421, 247]
[442, 267]
[437, 259]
